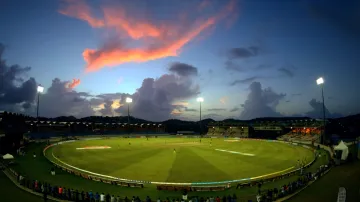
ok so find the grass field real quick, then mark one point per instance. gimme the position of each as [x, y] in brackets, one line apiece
[180, 159]
[38, 168]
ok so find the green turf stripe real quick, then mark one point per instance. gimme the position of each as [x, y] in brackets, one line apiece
[187, 163]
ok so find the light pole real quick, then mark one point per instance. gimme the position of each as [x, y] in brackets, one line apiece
[320, 82]
[200, 100]
[128, 101]
[40, 89]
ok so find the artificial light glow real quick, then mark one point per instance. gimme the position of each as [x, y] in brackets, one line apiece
[320, 81]
[40, 89]
[128, 100]
[200, 99]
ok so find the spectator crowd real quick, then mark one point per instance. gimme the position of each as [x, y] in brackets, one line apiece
[66, 193]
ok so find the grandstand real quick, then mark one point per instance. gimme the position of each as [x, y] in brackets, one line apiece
[46, 129]
[229, 130]
[232, 131]
[303, 130]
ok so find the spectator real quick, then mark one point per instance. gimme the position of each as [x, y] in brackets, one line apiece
[60, 191]
[112, 198]
[69, 193]
[218, 199]
[158, 200]
[148, 199]
[45, 196]
[229, 198]
[97, 197]
[234, 198]
[77, 195]
[107, 198]
[258, 198]
[102, 197]
[82, 196]
[91, 196]
[87, 196]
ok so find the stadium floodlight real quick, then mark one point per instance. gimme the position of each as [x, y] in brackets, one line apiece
[200, 100]
[320, 81]
[128, 101]
[40, 89]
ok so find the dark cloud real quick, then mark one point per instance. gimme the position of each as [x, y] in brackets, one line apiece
[244, 81]
[183, 69]
[296, 94]
[216, 109]
[261, 102]
[317, 110]
[15, 86]
[241, 53]
[153, 100]
[235, 109]
[287, 72]
[62, 101]
[210, 71]
[287, 100]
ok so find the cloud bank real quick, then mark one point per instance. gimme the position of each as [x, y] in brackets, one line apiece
[153, 100]
[261, 102]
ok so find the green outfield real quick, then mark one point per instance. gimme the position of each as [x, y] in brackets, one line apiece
[179, 159]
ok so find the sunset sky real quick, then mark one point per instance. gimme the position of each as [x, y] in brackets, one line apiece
[246, 58]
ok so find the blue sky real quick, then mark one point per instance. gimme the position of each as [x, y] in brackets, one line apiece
[307, 38]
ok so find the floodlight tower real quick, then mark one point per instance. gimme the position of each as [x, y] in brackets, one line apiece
[320, 82]
[200, 100]
[40, 89]
[128, 101]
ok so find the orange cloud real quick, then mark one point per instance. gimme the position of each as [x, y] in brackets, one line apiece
[79, 9]
[159, 40]
[73, 83]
